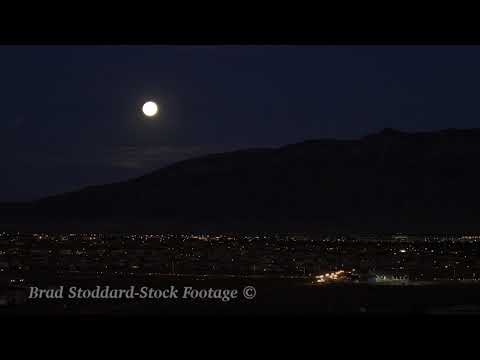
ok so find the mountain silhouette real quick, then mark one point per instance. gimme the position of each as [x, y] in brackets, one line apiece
[388, 181]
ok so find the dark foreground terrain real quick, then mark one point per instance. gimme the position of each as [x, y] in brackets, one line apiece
[274, 296]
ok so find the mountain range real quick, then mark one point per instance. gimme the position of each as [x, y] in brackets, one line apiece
[391, 181]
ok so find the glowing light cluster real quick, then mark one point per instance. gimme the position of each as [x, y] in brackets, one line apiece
[329, 276]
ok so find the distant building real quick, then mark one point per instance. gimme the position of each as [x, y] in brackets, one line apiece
[400, 237]
[388, 279]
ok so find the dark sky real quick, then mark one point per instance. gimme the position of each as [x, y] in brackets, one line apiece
[71, 115]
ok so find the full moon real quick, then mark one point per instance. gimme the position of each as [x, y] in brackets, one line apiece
[150, 108]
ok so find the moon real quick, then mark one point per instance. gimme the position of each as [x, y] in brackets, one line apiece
[150, 108]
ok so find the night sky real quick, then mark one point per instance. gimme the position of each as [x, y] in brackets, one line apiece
[71, 115]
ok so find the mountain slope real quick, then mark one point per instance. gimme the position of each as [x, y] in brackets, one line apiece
[393, 181]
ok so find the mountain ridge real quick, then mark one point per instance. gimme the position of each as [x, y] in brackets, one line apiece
[390, 180]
